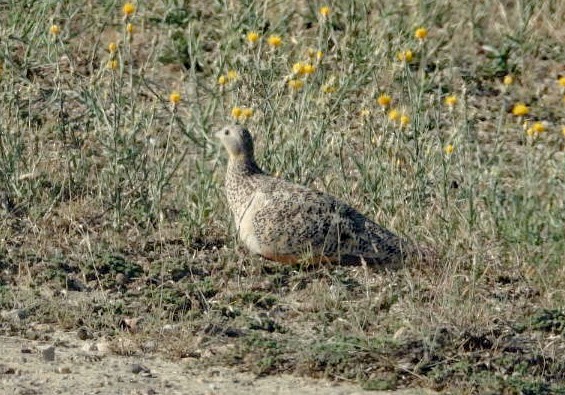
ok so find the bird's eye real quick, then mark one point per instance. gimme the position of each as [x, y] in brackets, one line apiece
[226, 132]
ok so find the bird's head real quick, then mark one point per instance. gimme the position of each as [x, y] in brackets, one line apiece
[237, 140]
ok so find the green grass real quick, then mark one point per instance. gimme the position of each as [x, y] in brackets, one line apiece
[118, 210]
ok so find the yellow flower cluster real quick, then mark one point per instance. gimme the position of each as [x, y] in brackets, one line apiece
[230, 76]
[406, 56]
[401, 118]
[303, 68]
[296, 84]
[536, 129]
[313, 54]
[241, 113]
[112, 63]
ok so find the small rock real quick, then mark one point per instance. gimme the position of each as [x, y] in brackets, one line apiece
[121, 279]
[169, 328]
[149, 346]
[63, 370]
[14, 315]
[7, 369]
[89, 347]
[25, 391]
[132, 324]
[148, 391]
[103, 347]
[84, 334]
[137, 368]
[47, 353]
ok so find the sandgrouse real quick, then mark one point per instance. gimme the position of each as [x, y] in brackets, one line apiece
[287, 222]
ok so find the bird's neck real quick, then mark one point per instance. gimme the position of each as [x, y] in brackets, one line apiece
[243, 165]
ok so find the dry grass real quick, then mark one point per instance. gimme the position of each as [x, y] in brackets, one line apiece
[117, 210]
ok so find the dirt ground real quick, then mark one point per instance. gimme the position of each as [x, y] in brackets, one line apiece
[83, 367]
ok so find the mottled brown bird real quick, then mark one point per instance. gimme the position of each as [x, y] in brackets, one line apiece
[287, 222]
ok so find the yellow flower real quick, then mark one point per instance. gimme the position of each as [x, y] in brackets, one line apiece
[112, 64]
[319, 55]
[222, 80]
[253, 37]
[129, 28]
[561, 82]
[303, 68]
[563, 131]
[54, 30]
[394, 115]
[384, 100]
[520, 109]
[539, 127]
[128, 9]
[232, 75]
[328, 88]
[404, 120]
[296, 84]
[364, 113]
[535, 129]
[325, 11]
[246, 113]
[448, 149]
[112, 47]
[421, 33]
[236, 112]
[297, 68]
[508, 80]
[274, 40]
[308, 69]
[451, 101]
[174, 98]
[405, 56]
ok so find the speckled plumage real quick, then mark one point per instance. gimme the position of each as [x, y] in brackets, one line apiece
[286, 222]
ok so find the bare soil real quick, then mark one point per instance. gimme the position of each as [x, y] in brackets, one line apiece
[78, 369]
